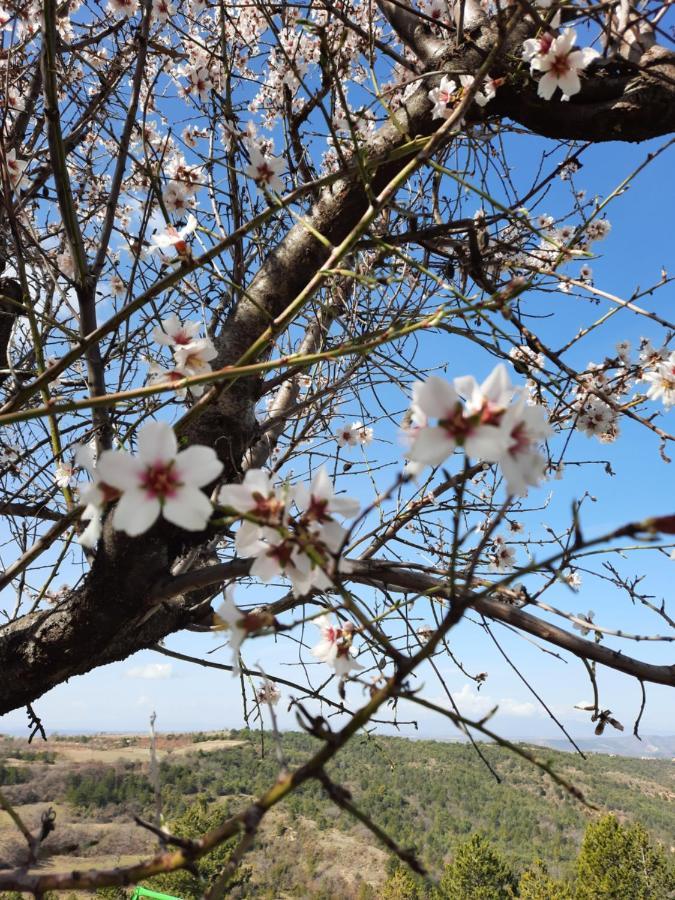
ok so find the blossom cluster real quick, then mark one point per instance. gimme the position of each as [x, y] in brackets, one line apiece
[559, 62]
[159, 480]
[445, 96]
[305, 547]
[192, 355]
[659, 373]
[354, 434]
[493, 422]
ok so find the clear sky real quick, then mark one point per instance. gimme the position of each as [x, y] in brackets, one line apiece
[122, 696]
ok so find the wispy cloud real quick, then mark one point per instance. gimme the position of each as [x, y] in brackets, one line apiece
[151, 672]
[474, 705]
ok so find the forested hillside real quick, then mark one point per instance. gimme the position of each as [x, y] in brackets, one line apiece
[429, 796]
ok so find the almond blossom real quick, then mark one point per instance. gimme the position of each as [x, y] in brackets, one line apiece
[15, 170]
[442, 96]
[478, 434]
[194, 358]
[160, 481]
[123, 7]
[354, 434]
[239, 624]
[661, 380]
[488, 91]
[521, 463]
[560, 64]
[174, 333]
[172, 237]
[159, 375]
[255, 496]
[319, 501]
[93, 496]
[265, 170]
[335, 647]
[502, 557]
[268, 693]
[303, 548]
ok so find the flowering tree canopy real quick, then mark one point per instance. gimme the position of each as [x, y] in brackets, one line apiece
[301, 299]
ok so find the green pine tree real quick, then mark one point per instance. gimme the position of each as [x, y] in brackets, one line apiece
[477, 873]
[536, 884]
[193, 823]
[402, 885]
[618, 862]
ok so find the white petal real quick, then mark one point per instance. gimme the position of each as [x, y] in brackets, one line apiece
[569, 83]
[345, 506]
[322, 487]
[198, 465]
[238, 496]
[157, 443]
[135, 513]
[431, 446]
[547, 85]
[436, 397]
[488, 443]
[120, 470]
[497, 386]
[265, 567]
[190, 509]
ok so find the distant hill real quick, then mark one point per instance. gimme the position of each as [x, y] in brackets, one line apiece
[650, 747]
[430, 795]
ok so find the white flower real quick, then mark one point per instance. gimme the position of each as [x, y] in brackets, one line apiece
[93, 496]
[117, 286]
[176, 197]
[522, 464]
[596, 417]
[240, 624]
[441, 96]
[64, 475]
[661, 381]
[535, 47]
[174, 333]
[159, 375]
[502, 558]
[318, 501]
[278, 555]
[480, 435]
[354, 434]
[172, 237]
[194, 358]
[162, 10]
[256, 496]
[584, 629]
[228, 616]
[623, 352]
[491, 397]
[488, 92]
[561, 66]
[15, 170]
[265, 171]
[160, 480]
[335, 647]
[123, 7]
[200, 83]
[269, 693]
[572, 579]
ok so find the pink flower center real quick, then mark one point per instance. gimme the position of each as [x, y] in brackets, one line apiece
[520, 440]
[318, 509]
[161, 481]
[560, 64]
[268, 508]
[264, 173]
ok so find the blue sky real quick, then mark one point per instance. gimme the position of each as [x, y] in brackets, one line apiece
[121, 696]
